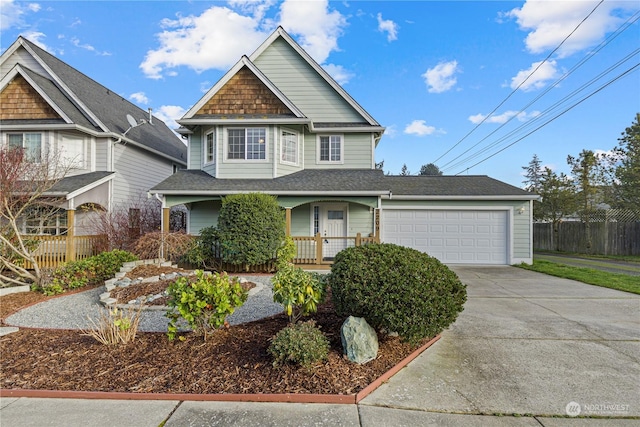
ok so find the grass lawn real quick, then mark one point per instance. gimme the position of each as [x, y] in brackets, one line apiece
[620, 282]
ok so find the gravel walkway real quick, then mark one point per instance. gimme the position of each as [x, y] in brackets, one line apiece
[73, 311]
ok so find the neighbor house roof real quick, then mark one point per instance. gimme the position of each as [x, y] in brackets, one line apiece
[353, 182]
[89, 104]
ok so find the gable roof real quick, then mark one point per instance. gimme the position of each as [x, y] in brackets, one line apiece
[89, 104]
[197, 114]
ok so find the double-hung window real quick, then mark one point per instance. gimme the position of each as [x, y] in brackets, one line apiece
[209, 149]
[330, 148]
[289, 147]
[247, 144]
[31, 142]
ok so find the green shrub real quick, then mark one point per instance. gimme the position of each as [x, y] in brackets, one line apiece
[287, 252]
[204, 303]
[251, 228]
[88, 271]
[298, 291]
[201, 250]
[396, 289]
[299, 343]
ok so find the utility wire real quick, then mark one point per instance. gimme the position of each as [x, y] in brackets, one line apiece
[630, 70]
[520, 85]
[545, 113]
[632, 20]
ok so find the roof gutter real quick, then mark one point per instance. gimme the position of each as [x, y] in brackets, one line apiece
[274, 193]
[468, 197]
[120, 138]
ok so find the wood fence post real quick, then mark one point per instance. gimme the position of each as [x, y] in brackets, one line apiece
[71, 240]
[318, 248]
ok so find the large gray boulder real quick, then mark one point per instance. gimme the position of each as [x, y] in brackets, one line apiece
[359, 340]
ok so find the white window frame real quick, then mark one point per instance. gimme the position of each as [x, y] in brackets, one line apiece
[283, 150]
[76, 163]
[22, 143]
[207, 151]
[318, 149]
[246, 145]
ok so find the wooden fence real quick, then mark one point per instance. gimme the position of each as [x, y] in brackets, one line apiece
[52, 251]
[600, 238]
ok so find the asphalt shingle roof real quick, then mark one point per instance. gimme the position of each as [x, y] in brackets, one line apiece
[73, 183]
[109, 107]
[342, 180]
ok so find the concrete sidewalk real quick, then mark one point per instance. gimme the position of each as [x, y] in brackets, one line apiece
[528, 350]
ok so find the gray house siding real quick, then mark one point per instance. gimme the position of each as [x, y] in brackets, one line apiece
[358, 152]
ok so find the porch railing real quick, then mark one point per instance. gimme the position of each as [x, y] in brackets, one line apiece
[321, 250]
[52, 251]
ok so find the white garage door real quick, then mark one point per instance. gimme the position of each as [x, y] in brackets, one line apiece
[454, 237]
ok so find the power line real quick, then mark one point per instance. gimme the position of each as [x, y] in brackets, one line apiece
[549, 110]
[633, 19]
[521, 83]
[630, 70]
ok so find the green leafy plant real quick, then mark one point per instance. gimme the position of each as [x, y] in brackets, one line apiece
[204, 303]
[287, 252]
[251, 228]
[115, 326]
[396, 289]
[202, 250]
[298, 291]
[299, 343]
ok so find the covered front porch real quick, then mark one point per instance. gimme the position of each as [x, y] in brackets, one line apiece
[320, 226]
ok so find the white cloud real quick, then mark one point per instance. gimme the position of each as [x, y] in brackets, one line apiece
[76, 42]
[218, 37]
[420, 128]
[544, 72]
[441, 78]
[391, 131]
[504, 117]
[11, 14]
[339, 73]
[549, 22]
[317, 27]
[139, 97]
[169, 114]
[389, 27]
[215, 39]
[36, 38]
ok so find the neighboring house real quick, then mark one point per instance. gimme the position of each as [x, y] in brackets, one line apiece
[48, 106]
[277, 123]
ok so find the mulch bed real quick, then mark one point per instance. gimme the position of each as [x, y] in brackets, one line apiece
[233, 360]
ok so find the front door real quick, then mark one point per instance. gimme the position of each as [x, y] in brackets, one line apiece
[333, 221]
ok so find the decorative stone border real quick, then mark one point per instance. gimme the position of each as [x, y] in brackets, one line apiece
[14, 290]
[120, 281]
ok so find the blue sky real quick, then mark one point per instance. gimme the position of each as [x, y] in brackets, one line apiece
[453, 82]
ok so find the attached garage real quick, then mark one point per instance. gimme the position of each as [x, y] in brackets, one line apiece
[454, 236]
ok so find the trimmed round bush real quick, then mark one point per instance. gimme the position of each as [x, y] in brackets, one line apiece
[300, 343]
[396, 289]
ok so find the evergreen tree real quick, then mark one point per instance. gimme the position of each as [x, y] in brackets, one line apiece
[627, 170]
[430, 169]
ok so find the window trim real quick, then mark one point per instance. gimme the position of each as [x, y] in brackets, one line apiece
[41, 151]
[318, 149]
[205, 148]
[83, 164]
[282, 147]
[245, 128]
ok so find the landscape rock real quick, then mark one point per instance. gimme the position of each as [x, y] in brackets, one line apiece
[359, 340]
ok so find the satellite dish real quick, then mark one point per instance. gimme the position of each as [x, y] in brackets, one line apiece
[132, 121]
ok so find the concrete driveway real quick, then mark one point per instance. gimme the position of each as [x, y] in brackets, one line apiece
[528, 343]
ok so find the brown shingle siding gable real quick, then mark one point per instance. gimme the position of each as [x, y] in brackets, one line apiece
[244, 93]
[19, 100]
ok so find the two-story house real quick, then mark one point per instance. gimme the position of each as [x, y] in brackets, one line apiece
[116, 151]
[277, 123]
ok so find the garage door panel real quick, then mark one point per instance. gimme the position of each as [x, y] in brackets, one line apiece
[455, 237]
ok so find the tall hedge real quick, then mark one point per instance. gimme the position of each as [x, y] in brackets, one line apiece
[396, 289]
[251, 228]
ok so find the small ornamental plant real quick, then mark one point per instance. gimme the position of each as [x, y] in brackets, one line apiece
[298, 291]
[299, 343]
[204, 303]
[115, 326]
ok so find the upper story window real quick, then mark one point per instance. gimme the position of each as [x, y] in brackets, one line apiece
[72, 151]
[289, 147]
[330, 148]
[209, 149]
[247, 144]
[31, 142]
